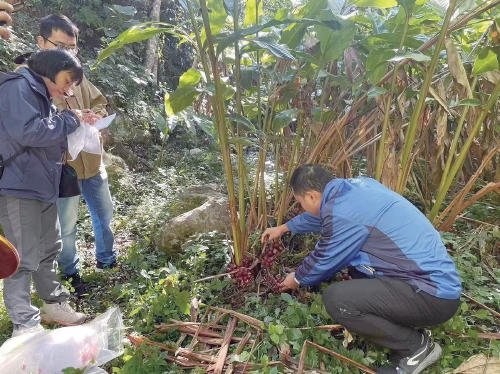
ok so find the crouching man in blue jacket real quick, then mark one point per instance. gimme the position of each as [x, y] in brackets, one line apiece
[403, 277]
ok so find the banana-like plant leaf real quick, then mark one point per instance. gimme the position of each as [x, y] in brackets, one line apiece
[217, 15]
[375, 91]
[373, 3]
[391, 39]
[134, 34]
[182, 98]
[293, 34]
[241, 120]
[223, 40]
[487, 60]
[284, 118]
[377, 63]
[407, 5]
[417, 56]
[242, 141]
[468, 102]
[333, 43]
[251, 10]
[190, 78]
[277, 50]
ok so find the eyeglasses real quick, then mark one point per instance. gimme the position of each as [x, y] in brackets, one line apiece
[73, 50]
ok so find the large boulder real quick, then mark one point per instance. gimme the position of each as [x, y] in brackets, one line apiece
[209, 211]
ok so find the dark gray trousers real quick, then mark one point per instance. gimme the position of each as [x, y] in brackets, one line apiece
[33, 228]
[386, 311]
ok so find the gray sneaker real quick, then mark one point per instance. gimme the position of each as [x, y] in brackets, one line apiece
[428, 353]
[29, 330]
[62, 313]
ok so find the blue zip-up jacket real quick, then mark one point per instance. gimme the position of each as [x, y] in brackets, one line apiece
[28, 119]
[366, 225]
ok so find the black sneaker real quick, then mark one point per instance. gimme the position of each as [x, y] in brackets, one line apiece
[102, 266]
[77, 284]
[425, 356]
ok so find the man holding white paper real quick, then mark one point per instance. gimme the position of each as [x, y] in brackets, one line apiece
[59, 32]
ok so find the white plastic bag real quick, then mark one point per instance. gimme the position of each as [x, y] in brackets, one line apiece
[86, 137]
[49, 352]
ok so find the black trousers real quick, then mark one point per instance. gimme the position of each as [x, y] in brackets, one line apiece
[386, 311]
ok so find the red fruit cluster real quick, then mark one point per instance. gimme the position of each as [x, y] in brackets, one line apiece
[269, 256]
[343, 276]
[272, 283]
[241, 274]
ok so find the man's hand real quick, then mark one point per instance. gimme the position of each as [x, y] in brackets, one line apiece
[273, 233]
[90, 117]
[5, 18]
[289, 283]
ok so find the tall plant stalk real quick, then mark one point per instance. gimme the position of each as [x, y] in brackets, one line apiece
[457, 165]
[406, 163]
[239, 146]
[385, 126]
[220, 119]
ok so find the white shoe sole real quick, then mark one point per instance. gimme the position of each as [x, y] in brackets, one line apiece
[429, 360]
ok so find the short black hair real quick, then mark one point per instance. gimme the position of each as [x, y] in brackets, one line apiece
[309, 177]
[50, 62]
[57, 22]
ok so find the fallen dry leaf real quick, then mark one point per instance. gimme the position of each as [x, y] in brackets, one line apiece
[478, 364]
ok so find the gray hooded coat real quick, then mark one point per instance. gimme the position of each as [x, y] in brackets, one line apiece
[28, 119]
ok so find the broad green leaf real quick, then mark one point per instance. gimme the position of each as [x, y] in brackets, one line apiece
[190, 78]
[407, 5]
[293, 34]
[241, 120]
[336, 5]
[180, 99]
[277, 50]
[242, 141]
[275, 338]
[341, 81]
[251, 10]
[373, 3]
[286, 297]
[224, 41]
[376, 91]
[487, 60]
[217, 16]
[417, 56]
[333, 43]
[136, 33]
[469, 102]
[183, 301]
[284, 118]
[377, 63]
[391, 40]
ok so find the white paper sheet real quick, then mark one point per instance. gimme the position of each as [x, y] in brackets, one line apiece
[105, 122]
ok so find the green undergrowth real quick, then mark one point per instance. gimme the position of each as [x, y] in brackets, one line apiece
[152, 289]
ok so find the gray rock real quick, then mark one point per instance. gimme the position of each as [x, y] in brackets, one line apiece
[210, 214]
[195, 151]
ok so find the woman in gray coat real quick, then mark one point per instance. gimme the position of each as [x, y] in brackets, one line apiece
[34, 132]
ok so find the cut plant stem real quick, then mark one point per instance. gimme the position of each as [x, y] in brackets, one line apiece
[494, 312]
[330, 352]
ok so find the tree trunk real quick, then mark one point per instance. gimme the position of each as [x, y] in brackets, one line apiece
[151, 58]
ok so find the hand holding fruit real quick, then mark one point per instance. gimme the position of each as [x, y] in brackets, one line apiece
[274, 233]
[79, 114]
[289, 283]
